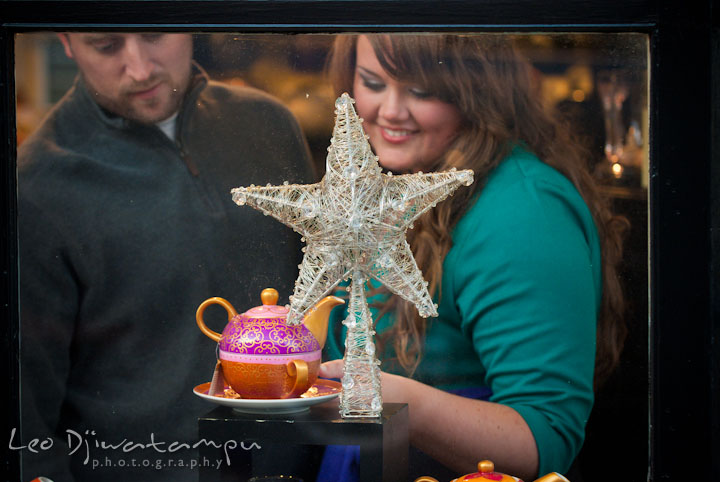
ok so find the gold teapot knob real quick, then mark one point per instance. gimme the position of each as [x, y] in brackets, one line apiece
[269, 296]
[485, 466]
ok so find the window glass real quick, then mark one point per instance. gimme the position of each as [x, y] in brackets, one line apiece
[111, 297]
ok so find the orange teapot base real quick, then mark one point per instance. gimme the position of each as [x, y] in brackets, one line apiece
[267, 381]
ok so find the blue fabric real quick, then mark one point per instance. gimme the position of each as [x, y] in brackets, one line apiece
[341, 462]
[476, 393]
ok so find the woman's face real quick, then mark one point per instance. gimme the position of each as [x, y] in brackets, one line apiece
[409, 129]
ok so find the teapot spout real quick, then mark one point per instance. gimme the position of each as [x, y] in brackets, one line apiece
[316, 320]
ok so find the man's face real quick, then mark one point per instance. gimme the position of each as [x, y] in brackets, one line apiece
[139, 76]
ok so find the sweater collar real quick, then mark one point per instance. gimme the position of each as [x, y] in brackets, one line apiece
[197, 83]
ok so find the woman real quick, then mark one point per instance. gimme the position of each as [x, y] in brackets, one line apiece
[522, 263]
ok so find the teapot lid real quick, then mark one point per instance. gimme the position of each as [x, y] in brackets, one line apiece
[269, 307]
[263, 331]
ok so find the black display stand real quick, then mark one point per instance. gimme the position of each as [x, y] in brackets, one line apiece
[383, 442]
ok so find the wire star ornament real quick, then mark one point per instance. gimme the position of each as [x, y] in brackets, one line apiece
[354, 222]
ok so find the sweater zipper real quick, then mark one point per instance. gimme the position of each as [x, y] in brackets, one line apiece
[213, 203]
[184, 154]
[187, 159]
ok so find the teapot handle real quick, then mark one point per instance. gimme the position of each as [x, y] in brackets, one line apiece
[201, 309]
[299, 370]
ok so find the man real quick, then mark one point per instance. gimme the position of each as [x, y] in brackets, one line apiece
[126, 225]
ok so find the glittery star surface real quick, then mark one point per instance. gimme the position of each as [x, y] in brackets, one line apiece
[355, 219]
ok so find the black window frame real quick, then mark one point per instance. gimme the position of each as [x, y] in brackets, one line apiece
[684, 191]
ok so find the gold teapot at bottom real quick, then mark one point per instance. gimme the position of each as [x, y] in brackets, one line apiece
[486, 473]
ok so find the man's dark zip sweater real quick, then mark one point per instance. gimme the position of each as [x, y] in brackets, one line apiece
[122, 234]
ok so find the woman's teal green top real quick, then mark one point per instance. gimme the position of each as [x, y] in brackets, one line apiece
[520, 293]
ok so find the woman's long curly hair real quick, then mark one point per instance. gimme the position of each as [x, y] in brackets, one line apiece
[492, 86]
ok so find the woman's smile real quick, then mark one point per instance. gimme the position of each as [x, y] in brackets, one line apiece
[395, 135]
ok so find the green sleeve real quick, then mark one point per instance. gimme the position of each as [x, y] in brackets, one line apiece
[524, 276]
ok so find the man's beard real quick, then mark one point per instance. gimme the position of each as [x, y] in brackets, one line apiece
[144, 112]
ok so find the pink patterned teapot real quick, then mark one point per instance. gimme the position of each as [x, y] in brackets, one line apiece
[264, 357]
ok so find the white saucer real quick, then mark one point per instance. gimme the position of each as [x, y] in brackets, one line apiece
[322, 391]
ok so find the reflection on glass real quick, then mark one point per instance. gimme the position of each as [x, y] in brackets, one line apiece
[576, 73]
[596, 82]
[623, 142]
[613, 92]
